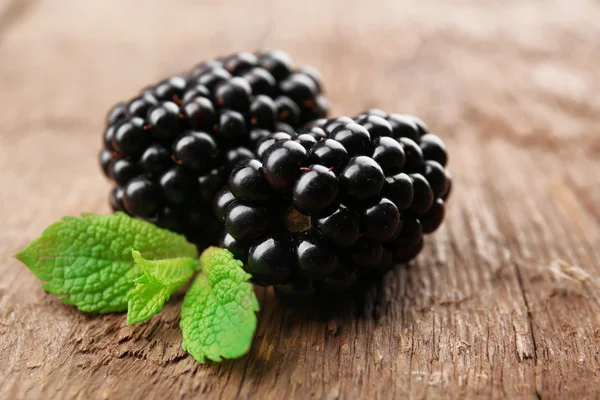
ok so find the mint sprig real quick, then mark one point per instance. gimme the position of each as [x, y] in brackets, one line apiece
[160, 279]
[113, 263]
[87, 261]
[218, 317]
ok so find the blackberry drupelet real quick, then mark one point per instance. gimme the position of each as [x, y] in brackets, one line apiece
[171, 148]
[345, 199]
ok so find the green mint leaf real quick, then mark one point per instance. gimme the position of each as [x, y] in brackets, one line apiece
[218, 317]
[160, 280]
[87, 261]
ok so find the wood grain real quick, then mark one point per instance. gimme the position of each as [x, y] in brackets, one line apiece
[503, 302]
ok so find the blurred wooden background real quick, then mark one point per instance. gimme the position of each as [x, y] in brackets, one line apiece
[504, 301]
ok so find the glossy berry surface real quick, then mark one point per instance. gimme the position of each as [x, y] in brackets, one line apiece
[281, 164]
[142, 197]
[196, 151]
[315, 190]
[184, 135]
[362, 178]
[334, 202]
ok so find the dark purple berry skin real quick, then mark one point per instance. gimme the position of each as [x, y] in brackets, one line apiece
[263, 112]
[403, 255]
[376, 126]
[185, 135]
[421, 126]
[139, 106]
[381, 221]
[389, 154]
[281, 164]
[410, 235]
[257, 135]
[403, 126]
[171, 219]
[366, 253]
[316, 108]
[307, 141]
[171, 89]
[164, 121]
[434, 149]
[208, 185]
[109, 133]
[261, 81]
[314, 75]
[239, 250]
[130, 139]
[196, 151]
[298, 87]
[205, 67]
[354, 138]
[341, 228]
[332, 124]
[315, 260]
[211, 78]
[231, 129]
[433, 218]
[116, 113]
[199, 113]
[122, 170]
[315, 190]
[247, 182]
[314, 131]
[178, 185]
[329, 153]
[278, 63]
[270, 261]
[235, 156]
[362, 178]
[317, 123]
[196, 91]
[399, 189]
[287, 110]
[444, 195]
[234, 94]
[223, 199]
[436, 176]
[246, 223]
[142, 198]
[116, 199]
[299, 292]
[285, 127]
[423, 195]
[155, 160]
[105, 157]
[266, 143]
[414, 155]
[240, 62]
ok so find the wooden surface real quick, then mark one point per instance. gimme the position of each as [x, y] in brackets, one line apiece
[504, 301]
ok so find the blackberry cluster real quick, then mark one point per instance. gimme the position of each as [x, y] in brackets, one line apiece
[343, 200]
[171, 148]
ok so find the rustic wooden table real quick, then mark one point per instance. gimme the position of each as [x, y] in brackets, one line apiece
[504, 300]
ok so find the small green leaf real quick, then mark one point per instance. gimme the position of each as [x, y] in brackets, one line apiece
[87, 261]
[218, 317]
[161, 279]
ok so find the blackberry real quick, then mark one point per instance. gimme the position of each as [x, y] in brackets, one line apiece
[171, 148]
[342, 201]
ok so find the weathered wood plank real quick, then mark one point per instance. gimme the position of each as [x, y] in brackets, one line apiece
[504, 300]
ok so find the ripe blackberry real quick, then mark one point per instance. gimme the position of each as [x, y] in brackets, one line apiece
[171, 148]
[342, 201]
